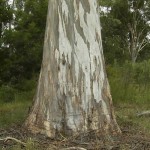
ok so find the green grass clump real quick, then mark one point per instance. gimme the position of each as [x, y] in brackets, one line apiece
[130, 82]
[127, 118]
[30, 145]
[7, 94]
[14, 103]
[13, 113]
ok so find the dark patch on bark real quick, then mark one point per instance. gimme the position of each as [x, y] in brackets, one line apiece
[86, 5]
[58, 68]
[95, 60]
[88, 45]
[63, 59]
[85, 18]
[80, 30]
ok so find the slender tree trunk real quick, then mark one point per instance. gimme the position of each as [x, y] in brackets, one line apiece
[134, 52]
[1, 29]
[73, 93]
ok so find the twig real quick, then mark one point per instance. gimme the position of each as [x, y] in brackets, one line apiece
[13, 139]
[74, 148]
[64, 138]
[75, 142]
[144, 113]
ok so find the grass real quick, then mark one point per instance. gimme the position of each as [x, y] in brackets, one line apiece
[30, 145]
[130, 83]
[15, 111]
[126, 114]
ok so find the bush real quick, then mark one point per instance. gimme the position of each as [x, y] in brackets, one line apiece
[26, 85]
[130, 82]
[20, 92]
[7, 94]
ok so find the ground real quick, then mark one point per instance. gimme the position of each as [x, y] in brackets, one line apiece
[135, 135]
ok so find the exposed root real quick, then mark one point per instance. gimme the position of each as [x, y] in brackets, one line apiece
[74, 148]
[144, 114]
[13, 139]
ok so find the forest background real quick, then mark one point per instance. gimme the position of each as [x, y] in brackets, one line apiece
[126, 45]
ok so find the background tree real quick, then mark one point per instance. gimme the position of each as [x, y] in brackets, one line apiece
[5, 19]
[134, 17]
[127, 27]
[22, 32]
[73, 93]
[24, 40]
[5, 16]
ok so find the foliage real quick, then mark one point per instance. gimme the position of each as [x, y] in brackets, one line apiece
[14, 111]
[23, 35]
[7, 94]
[125, 29]
[113, 46]
[5, 16]
[130, 82]
[24, 42]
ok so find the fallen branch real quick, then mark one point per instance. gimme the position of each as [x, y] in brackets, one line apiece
[13, 139]
[74, 148]
[144, 113]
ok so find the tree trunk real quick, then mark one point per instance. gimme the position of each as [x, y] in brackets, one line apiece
[133, 51]
[73, 92]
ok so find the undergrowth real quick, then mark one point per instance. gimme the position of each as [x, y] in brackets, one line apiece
[130, 89]
[130, 83]
[15, 102]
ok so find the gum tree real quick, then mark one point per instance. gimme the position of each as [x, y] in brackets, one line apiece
[134, 18]
[73, 92]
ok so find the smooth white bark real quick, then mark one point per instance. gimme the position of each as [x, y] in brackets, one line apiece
[73, 92]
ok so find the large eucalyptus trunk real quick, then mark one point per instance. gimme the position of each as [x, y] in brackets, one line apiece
[73, 92]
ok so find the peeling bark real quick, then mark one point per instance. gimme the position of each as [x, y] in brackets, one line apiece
[73, 93]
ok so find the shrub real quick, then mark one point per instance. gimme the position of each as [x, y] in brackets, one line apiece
[7, 94]
[130, 82]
